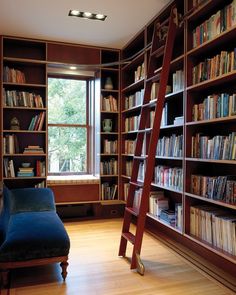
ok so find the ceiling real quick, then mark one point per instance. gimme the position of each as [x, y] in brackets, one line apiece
[49, 20]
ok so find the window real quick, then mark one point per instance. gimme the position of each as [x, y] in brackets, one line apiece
[68, 126]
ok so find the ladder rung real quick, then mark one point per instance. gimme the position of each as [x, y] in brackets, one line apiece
[140, 157]
[129, 237]
[133, 211]
[139, 184]
[145, 130]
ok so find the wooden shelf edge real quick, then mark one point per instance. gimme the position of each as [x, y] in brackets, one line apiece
[216, 202]
[230, 162]
[210, 247]
[164, 223]
[212, 121]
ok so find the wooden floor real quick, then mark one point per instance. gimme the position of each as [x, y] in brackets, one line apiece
[95, 268]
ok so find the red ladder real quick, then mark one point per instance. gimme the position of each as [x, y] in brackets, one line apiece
[126, 235]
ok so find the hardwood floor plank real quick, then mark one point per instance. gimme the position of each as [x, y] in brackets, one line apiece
[95, 269]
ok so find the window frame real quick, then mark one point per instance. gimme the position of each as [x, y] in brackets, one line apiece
[86, 126]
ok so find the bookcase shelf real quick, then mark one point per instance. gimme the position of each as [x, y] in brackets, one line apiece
[216, 250]
[164, 223]
[229, 162]
[24, 102]
[220, 203]
[109, 119]
[179, 103]
[218, 175]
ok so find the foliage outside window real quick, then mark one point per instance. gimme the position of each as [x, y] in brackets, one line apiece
[67, 126]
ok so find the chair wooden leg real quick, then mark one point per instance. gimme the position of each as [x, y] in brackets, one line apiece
[64, 265]
[5, 277]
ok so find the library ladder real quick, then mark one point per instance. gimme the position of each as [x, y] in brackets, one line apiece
[130, 211]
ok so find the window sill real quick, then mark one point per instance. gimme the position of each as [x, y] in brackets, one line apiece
[72, 180]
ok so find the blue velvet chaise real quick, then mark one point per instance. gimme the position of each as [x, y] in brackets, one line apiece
[31, 232]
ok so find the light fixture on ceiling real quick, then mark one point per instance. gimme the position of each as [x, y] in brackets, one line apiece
[73, 68]
[87, 15]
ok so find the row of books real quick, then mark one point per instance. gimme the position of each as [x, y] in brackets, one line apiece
[108, 191]
[220, 188]
[214, 225]
[139, 73]
[178, 81]
[169, 177]
[219, 22]
[159, 207]
[126, 190]
[9, 169]
[11, 75]
[33, 149]
[130, 146]
[109, 104]
[109, 167]
[132, 123]
[110, 146]
[170, 146]
[215, 106]
[210, 68]
[164, 118]
[134, 100]
[14, 98]
[10, 144]
[128, 168]
[155, 90]
[37, 122]
[40, 184]
[219, 147]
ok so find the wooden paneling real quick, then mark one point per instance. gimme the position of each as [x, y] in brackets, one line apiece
[75, 193]
[72, 54]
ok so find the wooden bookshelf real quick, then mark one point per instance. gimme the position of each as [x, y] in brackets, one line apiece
[109, 111]
[180, 103]
[208, 169]
[25, 87]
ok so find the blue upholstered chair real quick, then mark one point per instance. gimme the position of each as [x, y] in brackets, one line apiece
[31, 233]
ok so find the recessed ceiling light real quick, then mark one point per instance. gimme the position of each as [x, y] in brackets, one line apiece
[87, 15]
[74, 12]
[100, 16]
[73, 68]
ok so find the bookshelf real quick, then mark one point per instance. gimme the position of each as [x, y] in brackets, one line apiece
[169, 158]
[210, 205]
[24, 109]
[195, 161]
[109, 126]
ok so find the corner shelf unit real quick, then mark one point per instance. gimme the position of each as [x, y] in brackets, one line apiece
[109, 125]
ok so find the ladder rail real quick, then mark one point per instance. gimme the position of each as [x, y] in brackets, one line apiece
[126, 236]
[153, 141]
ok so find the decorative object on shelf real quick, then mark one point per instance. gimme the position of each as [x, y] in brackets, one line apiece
[15, 124]
[25, 165]
[107, 125]
[108, 84]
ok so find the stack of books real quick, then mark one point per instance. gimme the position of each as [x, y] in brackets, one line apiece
[168, 216]
[33, 149]
[25, 172]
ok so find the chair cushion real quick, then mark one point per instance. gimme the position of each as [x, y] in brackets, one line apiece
[34, 235]
[31, 199]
